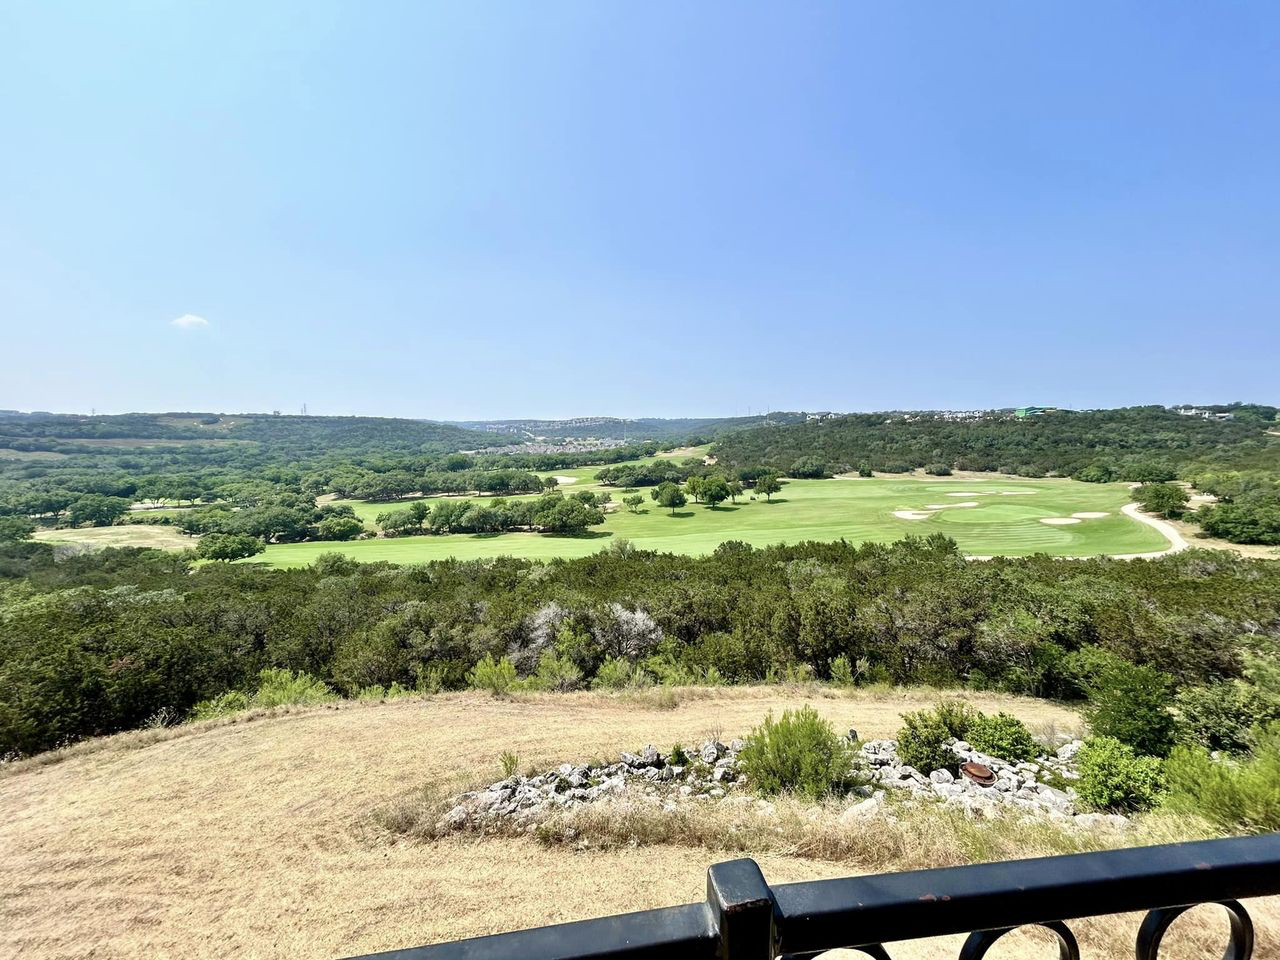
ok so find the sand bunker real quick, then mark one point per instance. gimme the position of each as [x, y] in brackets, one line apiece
[1059, 521]
[968, 493]
[563, 480]
[1016, 493]
[948, 506]
[1090, 514]
[913, 514]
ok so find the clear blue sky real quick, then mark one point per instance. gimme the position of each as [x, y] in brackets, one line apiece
[552, 209]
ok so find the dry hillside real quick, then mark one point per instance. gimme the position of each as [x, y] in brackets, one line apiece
[257, 839]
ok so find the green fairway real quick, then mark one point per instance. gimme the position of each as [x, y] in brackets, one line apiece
[1006, 520]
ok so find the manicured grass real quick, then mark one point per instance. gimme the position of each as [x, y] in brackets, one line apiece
[856, 509]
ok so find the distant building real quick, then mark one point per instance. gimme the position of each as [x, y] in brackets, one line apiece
[1023, 412]
[1204, 414]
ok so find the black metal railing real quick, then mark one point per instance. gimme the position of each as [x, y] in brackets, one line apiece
[744, 918]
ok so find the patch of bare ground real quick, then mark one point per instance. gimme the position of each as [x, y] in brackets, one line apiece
[269, 838]
[159, 536]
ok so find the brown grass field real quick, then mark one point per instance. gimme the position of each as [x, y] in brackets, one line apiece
[126, 535]
[265, 837]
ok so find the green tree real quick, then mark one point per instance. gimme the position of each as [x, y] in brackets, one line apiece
[633, 502]
[669, 495]
[1163, 499]
[96, 509]
[715, 490]
[228, 546]
[735, 490]
[13, 529]
[1130, 703]
[768, 485]
[339, 528]
[693, 487]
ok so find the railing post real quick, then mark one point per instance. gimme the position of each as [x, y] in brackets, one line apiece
[743, 910]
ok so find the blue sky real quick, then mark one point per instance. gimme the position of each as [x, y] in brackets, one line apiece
[555, 209]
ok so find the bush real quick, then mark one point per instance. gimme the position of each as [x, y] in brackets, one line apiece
[496, 676]
[842, 674]
[1113, 777]
[958, 717]
[1222, 715]
[1003, 736]
[509, 761]
[614, 674]
[922, 741]
[233, 701]
[1236, 796]
[555, 673]
[280, 688]
[800, 754]
[1130, 703]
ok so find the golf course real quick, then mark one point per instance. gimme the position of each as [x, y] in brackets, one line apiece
[987, 515]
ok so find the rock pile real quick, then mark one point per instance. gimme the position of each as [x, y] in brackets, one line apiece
[991, 787]
[695, 773]
[1040, 788]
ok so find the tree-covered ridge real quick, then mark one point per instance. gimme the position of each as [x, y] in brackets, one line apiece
[102, 642]
[1133, 443]
[298, 434]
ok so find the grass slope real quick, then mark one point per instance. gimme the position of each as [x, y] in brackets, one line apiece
[857, 509]
[255, 839]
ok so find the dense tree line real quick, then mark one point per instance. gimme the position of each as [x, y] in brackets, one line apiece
[97, 643]
[552, 512]
[1144, 444]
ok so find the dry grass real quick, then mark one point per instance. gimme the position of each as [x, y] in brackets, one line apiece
[159, 536]
[257, 839]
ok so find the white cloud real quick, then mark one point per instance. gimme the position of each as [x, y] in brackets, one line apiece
[189, 320]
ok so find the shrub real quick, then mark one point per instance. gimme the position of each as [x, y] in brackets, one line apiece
[1221, 715]
[555, 673]
[378, 692]
[614, 674]
[678, 757]
[233, 701]
[842, 672]
[430, 679]
[279, 688]
[1113, 777]
[1130, 703]
[496, 676]
[1003, 736]
[800, 753]
[1236, 796]
[922, 742]
[510, 763]
[957, 716]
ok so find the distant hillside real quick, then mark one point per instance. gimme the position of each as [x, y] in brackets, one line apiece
[614, 428]
[1131, 443]
[300, 435]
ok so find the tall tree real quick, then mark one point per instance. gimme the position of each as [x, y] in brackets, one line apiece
[669, 495]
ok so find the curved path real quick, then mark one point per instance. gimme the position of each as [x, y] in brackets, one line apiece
[1176, 541]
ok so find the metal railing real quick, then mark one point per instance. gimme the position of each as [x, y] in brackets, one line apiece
[744, 918]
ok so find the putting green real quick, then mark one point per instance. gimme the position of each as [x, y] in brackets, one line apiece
[1006, 521]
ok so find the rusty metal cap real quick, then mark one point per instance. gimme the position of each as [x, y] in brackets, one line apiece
[979, 773]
